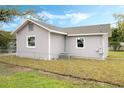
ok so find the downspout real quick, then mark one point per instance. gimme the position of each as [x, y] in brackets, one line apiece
[16, 45]
[64, 43]
[49, 56]
[103, 46]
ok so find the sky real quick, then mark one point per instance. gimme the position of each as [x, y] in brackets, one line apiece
[68, 15]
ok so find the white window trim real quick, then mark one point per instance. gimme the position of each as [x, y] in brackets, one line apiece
[27, 41]
[84, 43]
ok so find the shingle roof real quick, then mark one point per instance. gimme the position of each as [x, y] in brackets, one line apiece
[102, 28]
[48, 25]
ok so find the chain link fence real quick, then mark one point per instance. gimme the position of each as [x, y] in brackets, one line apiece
[3, 50]
[45, 56]
[35, 54]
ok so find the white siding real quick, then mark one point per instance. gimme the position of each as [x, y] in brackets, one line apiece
[41, 50]
[56, 45]
[92, 43]
[47, 42]
[106, 45]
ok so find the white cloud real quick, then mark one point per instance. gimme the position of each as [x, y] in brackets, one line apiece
[67, 19]
[64, 19]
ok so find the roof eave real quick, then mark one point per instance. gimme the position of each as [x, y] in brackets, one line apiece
[19, 27]
[53, 31]
[87, 34]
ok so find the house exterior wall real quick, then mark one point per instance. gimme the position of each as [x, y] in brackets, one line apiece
[106, 46]
[50, 45]
[57, 42]
[92, 44]
[41, 40]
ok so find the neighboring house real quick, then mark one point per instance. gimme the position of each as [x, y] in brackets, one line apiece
[39, 40]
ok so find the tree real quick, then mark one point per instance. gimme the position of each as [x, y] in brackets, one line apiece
[5, 38]
[115, 39]
[120, 22]
[7, 15]
[118, 32]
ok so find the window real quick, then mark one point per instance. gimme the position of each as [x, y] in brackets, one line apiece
[30, 27]
[80, 42]
[31, 41]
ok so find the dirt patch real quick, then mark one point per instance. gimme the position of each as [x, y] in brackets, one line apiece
[76, 81]
[9, 69]
[18, 68]
[21, 69]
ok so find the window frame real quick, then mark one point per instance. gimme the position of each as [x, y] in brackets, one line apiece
[77, 43]
[27, 41]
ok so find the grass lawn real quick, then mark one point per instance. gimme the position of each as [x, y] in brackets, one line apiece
[32, 80]
[117, 54]
[109, 70]
[13, 76]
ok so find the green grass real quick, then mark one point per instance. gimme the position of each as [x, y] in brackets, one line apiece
[109, 70]
[19, 77]
[117, 54]
[32, 80]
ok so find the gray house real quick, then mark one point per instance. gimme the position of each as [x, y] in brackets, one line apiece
[39, 40]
